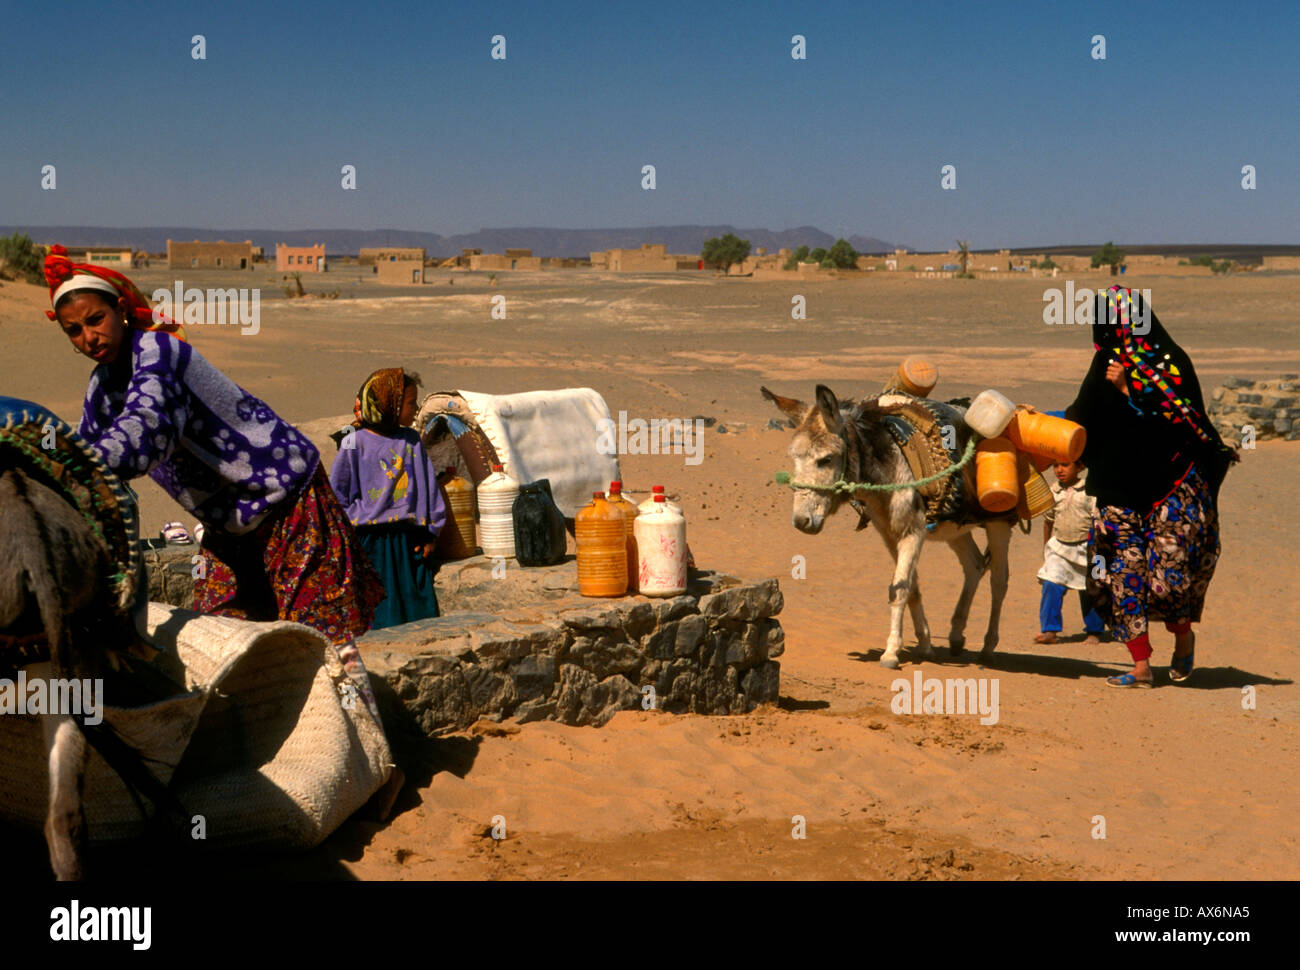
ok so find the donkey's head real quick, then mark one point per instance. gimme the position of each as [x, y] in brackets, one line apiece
[818, 452]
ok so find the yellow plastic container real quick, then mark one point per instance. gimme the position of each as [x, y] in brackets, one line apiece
[456, 540]
[601, 532]
[1047, 436]
[996, 481]
[1035, 494]
[915, 375]
[630, 512]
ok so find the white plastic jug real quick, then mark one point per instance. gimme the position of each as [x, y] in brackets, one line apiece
[990, 413]
[496, 523]
[660, 550]
[649, 504]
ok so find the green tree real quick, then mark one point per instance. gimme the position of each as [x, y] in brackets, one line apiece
[22, 257]
[818, 254]
[1108, 255]
[800, 255]
[725, 250]
[1047, 264]
[963, 255]
[842, 255]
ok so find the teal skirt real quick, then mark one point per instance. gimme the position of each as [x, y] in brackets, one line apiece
[407, 578]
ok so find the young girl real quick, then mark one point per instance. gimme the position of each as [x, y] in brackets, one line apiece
[389, 487]
[1065, 553]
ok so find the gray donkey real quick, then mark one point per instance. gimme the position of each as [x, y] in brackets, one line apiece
[850, 440]
[57, 620]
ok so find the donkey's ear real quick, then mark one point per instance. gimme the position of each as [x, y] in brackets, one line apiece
[829, 408]
[792, 409]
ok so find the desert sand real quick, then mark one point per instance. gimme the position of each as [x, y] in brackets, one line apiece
[1191, 785]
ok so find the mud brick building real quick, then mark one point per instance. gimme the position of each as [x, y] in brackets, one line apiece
[209, 255]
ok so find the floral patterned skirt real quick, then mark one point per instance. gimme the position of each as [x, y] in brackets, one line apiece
[1157, 565]
[304, 564]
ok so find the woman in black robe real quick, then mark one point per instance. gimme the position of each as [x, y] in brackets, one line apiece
[1155, 464]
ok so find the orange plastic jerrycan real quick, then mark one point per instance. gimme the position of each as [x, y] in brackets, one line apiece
[996, 480]
[630, 512]
[456, 540]
[601, 532]
[1047, 436]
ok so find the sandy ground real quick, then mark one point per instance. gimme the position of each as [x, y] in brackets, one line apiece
[1190, 784]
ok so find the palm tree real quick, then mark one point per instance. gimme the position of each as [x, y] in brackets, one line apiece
[963, 253]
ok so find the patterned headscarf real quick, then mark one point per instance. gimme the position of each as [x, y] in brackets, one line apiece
[1158, 371]
[379, 402]
[59, 269]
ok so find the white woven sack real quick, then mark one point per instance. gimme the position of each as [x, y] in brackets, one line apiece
[262, 747]
[552, 435]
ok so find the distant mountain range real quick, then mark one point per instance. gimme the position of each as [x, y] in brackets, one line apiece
[542, 241]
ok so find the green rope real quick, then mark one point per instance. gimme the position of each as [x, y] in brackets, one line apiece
[783, 478]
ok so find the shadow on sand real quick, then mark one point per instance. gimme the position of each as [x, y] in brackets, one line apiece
[1073, 668]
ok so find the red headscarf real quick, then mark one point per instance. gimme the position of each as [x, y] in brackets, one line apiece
[59, 269]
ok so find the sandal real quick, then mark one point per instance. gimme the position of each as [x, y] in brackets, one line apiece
[174, 534]
[1180, 668]
[1127, 680]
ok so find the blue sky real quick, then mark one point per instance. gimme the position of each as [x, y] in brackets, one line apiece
[1049, 144]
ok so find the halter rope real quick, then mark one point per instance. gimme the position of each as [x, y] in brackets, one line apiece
[783, 478]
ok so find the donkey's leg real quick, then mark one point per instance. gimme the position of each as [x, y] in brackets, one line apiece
[919, 624]
[972, 568]
[999, 534]
[900, 592]
[65, 825]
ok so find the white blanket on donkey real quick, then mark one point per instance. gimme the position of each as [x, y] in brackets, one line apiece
[266, 746]
[551, 435]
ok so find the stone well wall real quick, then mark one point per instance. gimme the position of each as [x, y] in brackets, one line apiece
[1271, 407]
[521, 643]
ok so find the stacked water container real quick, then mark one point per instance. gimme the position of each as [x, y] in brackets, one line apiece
[496, 526]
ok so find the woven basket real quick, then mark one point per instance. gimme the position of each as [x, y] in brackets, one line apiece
[262, 746]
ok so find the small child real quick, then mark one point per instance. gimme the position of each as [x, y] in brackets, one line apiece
[388, 486]
[1065, 555]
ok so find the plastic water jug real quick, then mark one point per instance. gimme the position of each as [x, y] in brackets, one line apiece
[602, 548]
[915, 375]
[539, 526]
[456, 540]
[649, 504]
[1042, 434]
[990, 413]
[496, 523]
[661, 551]
[996, 480]
[1035, 495]
[630, 512]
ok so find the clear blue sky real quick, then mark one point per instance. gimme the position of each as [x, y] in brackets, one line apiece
[1049, 145]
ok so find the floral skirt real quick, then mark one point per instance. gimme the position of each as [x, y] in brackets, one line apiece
[1157, 565]
[304, 564]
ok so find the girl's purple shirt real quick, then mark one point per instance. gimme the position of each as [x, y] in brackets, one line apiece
[381, 479]
[220, 452]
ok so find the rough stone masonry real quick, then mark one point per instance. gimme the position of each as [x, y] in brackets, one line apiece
[1271, 407]
[521, 643]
